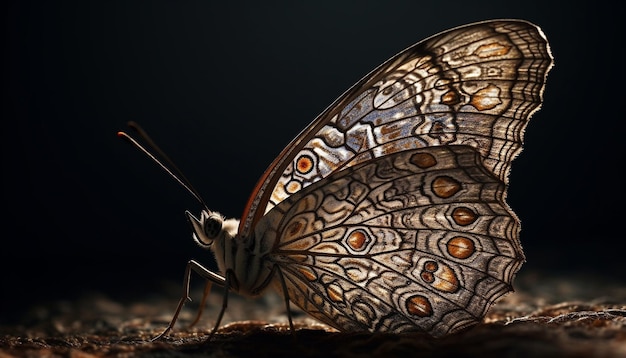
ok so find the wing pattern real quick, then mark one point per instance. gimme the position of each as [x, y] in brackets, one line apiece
[475, 85]
[418, 240]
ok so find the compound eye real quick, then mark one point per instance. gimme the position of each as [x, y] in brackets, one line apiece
[213, 226]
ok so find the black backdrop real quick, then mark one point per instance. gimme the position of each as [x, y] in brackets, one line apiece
[223, 88]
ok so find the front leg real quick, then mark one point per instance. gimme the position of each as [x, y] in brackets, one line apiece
[207, 275]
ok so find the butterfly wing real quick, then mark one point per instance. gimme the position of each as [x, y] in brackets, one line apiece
[475, 85]
[419, 240]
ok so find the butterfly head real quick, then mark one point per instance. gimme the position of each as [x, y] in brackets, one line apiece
[211, 227]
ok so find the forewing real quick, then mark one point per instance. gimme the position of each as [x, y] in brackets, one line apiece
[419, 240]
[475, 85]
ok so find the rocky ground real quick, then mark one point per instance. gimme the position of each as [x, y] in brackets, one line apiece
[545, 317]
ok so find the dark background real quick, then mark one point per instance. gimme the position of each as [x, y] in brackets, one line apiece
[223, 88]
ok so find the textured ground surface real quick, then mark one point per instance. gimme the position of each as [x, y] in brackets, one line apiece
[566, 317]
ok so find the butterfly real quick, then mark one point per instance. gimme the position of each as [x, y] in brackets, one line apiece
[387, 213]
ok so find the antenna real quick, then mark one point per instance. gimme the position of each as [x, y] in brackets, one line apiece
[163, 161]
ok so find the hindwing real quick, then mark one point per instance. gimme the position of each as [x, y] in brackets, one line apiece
[419, 240]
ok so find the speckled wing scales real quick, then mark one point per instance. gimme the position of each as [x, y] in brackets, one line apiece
[475, 85]
[388, 212]
[419, 240]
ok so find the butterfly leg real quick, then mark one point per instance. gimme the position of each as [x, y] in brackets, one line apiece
[205, 294]
[286, 294]
[229, 274]
[206, 274]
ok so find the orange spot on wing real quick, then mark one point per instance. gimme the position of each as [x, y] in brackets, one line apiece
[464, 216]
[423, 160]
[493, 49]
[447, 280]
[357, 240]
[486, 98]
[419, 306]
[304, 164]
[450, 98]
[335, 293]
[461, 247]
[308, 274]
[445, 186]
